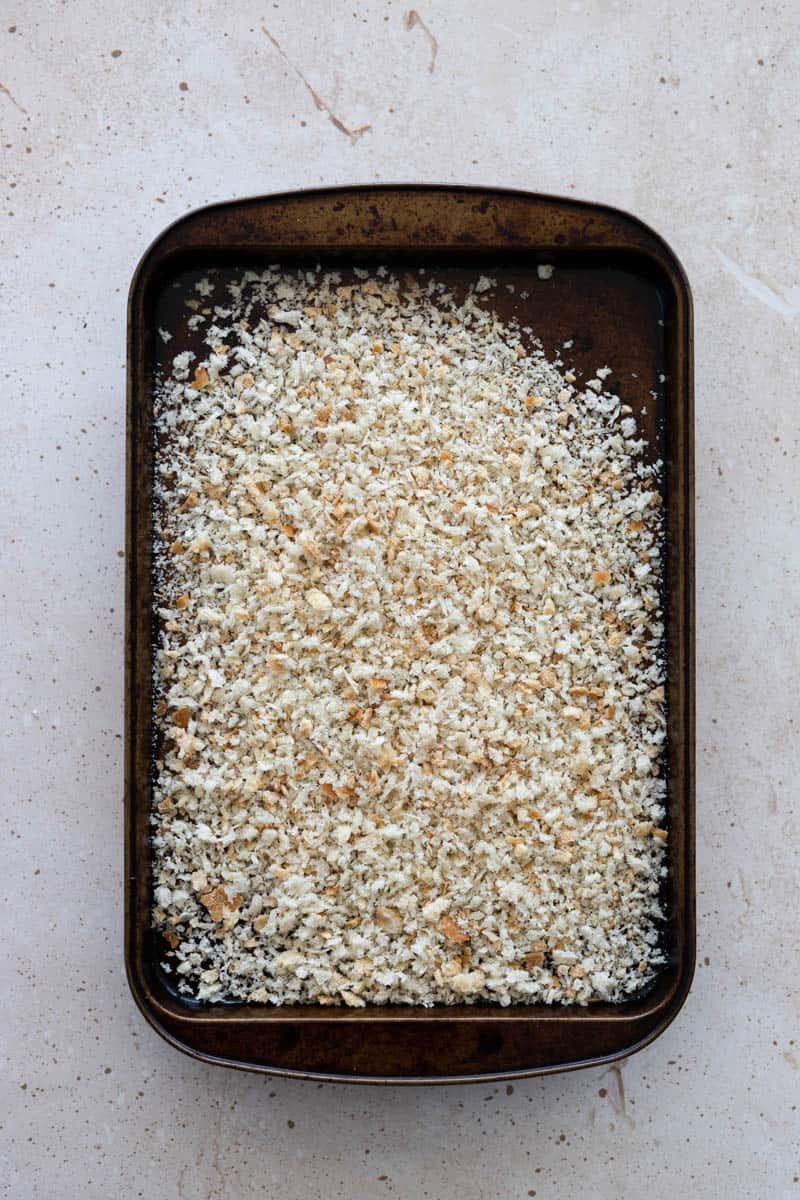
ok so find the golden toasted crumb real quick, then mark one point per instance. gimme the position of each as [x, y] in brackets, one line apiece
[219, 904]
[389, 919]
[181, 717]
[189, 502]
[318, 601]
[309, 545]
[452, 931]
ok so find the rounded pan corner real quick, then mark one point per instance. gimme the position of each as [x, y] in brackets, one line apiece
[151, 256]
[144, 1001]
[149, 1014]
[139, 990]
[652, 243]
[665, 1013]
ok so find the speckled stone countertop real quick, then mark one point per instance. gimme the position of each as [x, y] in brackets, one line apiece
[118, 118]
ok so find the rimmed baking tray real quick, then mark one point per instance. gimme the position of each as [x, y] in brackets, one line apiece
[619, 296]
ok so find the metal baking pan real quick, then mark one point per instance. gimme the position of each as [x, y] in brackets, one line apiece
[620, 295]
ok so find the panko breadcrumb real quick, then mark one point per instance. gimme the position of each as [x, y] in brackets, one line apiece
[409, 683]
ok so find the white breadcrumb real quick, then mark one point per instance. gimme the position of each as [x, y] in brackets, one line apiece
[409, 684]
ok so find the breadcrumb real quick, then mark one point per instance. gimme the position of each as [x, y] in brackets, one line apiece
[409, 681]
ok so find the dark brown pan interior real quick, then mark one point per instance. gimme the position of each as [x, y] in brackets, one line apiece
[620, 297]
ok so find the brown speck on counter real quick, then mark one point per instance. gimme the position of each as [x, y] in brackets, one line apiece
[13, 100]
[413, 18]
[617, 1095]
[319, 103]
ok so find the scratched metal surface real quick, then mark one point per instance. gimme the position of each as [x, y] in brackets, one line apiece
[667, 110]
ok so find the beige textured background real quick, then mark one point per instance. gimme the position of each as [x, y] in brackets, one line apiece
[685, 114]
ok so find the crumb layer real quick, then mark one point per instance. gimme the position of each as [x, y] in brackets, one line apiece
[410, 694]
